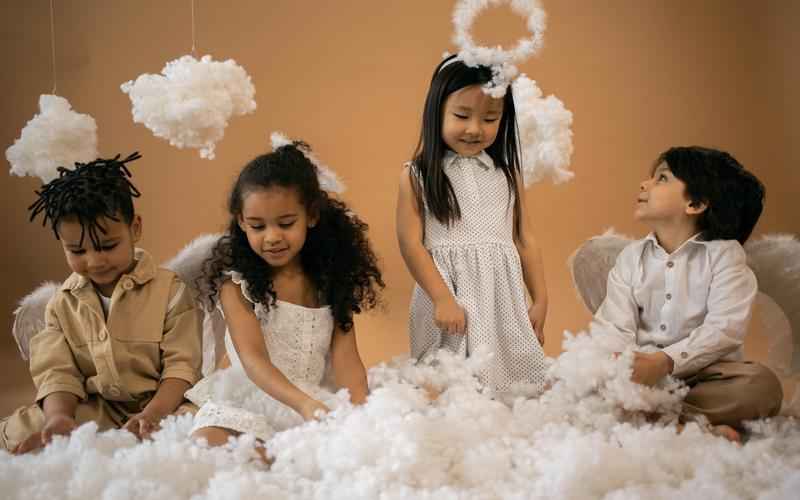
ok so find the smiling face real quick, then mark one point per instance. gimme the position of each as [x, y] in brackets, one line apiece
[470, 120]
[276, 223]
[107, 263]
[662, 200]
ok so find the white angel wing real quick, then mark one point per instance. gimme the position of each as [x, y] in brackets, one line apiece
[775, 260]
[188, 264]
[29, 316]
[591, 263]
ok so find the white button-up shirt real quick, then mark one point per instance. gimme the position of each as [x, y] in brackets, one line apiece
[694, 303]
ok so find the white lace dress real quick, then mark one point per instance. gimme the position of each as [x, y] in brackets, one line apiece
[478, 261]
[298, 340]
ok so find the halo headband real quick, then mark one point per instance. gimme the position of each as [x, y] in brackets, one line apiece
[501, 61]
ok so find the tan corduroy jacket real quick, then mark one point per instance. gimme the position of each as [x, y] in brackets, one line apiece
[153, 332]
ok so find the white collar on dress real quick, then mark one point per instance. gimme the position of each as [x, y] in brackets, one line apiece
[483, 159]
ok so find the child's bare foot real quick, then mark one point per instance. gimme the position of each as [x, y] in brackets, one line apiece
[431, 392]
[727, 432]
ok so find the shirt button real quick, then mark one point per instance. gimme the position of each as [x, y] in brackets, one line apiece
[670, 264]
[669, 296]
[113, 391]
[127, 285]
[684, 355]
[663, 327]
[660, 346]
[103, 334]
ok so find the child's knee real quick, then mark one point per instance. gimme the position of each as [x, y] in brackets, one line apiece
[214, 436]
[765, 392]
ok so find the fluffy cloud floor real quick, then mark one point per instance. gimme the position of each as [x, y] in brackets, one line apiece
[586, 437]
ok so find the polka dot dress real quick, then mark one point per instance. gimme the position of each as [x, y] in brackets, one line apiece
[480, 265]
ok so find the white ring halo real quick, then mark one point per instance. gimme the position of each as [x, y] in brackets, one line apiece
[499, 59]
[465, 13]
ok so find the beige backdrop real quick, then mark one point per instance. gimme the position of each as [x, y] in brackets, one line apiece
[350, 78]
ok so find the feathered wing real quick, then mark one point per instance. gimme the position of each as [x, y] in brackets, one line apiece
[29, 316]
[188, 264]
[775, 260]
[591, 263]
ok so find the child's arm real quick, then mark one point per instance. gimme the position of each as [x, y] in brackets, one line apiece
[348, 369]
[532, 269]
[618, 314]
[59, 382]
[730, 305]
[181, 357]
[448, 314]
[248, 340]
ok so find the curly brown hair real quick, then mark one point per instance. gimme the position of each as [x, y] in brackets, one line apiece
[337, 256]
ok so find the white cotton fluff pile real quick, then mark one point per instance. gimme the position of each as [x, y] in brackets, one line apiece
[56, 137]
[575, 442]
[191, 101]
[545, 133]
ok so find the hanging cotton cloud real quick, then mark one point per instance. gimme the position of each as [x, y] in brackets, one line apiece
[584, 438]
[545, 133]
[56, 137]
[191, 101]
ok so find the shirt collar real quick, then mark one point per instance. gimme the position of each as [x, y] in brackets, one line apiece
[482, 159]
[143, 271]
[696, 239]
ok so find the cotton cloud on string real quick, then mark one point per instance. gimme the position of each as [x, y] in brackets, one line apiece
[545, 133]
[191, 101]
[57, 136]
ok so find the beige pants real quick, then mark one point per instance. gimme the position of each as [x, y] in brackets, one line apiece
[107, 414]
[730, 392]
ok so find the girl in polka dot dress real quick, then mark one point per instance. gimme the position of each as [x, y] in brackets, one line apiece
[466, 236]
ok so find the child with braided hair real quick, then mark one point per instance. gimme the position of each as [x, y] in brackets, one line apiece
[122, 337]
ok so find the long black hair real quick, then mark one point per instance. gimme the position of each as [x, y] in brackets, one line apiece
[429, 181]
[733, 196]
[336, 255]
[90, 191]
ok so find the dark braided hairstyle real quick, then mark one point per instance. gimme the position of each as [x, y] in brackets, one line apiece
[336, 255]
[89, 192]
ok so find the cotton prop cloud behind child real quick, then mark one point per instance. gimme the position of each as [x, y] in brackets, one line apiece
[191, 101]
[545, 133]
[57, 136]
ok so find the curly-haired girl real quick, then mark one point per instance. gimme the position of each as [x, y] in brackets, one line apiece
[289, 273]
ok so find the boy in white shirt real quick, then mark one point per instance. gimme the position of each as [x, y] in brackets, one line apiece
[686, 288]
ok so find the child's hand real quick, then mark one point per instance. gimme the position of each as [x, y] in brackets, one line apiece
[61, 425]
[141, 425]
[537, 314]
[649, 368]
[310, 408]
[449, 316]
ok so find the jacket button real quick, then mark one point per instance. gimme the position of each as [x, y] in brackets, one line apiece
[669, 296]
[660, 346]
[670, 264]
[113, 391]
[684, 355]
[103, 335]
[127, 284]
[663, 327]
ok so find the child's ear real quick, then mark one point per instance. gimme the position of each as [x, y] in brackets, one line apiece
[312, 221]
[136, 228]
[696, 207]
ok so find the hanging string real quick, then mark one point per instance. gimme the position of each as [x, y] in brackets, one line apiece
[53, 45]
[194, 52]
